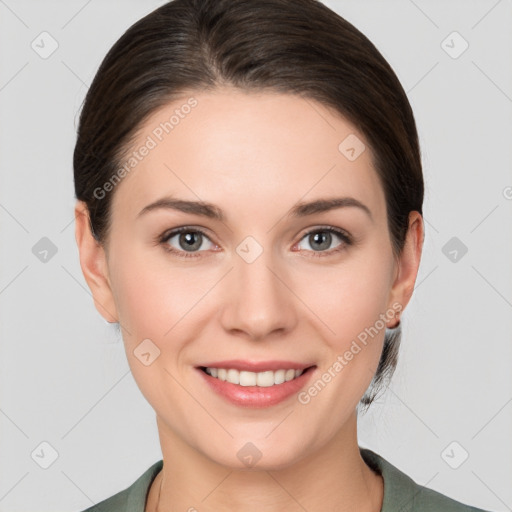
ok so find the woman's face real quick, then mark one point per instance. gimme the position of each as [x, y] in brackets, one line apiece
[266, 282]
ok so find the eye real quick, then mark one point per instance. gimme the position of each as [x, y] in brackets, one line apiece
[320, 241]
[188, 242]
[185, 240]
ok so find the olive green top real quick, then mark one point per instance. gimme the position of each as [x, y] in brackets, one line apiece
[401, 493]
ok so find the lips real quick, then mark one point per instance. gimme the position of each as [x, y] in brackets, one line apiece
[256, 384]
[256, 366]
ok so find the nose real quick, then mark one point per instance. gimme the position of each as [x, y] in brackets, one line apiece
[259, 299]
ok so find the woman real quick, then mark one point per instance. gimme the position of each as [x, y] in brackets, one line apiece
[249, 212]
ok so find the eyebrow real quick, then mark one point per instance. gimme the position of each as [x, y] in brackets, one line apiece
[211, 211]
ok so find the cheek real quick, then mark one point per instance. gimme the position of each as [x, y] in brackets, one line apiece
[348, 297]
[153, 303]
[153, 295]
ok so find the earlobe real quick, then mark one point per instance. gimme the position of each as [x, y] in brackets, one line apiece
[93, 262]
[409, 261]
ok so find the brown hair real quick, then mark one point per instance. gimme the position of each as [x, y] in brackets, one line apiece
[290, 46]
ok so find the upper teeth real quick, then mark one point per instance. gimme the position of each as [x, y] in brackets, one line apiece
[243, 378]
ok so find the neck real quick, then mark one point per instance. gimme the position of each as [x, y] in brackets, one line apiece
[333, 478]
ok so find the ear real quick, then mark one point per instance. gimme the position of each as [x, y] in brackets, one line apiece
[408, 264]
[93, 261]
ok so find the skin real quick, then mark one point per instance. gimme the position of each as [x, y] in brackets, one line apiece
[254, 156]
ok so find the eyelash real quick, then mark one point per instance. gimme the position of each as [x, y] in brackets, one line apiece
[343, 235]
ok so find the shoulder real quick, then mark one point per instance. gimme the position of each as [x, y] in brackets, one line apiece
[133, 498]
[113, 504]
[403, 494]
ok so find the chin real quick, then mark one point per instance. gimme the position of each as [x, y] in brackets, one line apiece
[259, 455]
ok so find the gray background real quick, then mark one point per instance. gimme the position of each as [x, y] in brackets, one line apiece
[64, 377]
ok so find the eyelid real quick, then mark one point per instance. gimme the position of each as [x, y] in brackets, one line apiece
[169, 233]
[326, 227]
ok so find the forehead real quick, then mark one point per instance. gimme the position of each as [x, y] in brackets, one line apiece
[251, 150]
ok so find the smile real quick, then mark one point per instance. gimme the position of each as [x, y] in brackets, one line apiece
[245, 378]
[263, 388]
